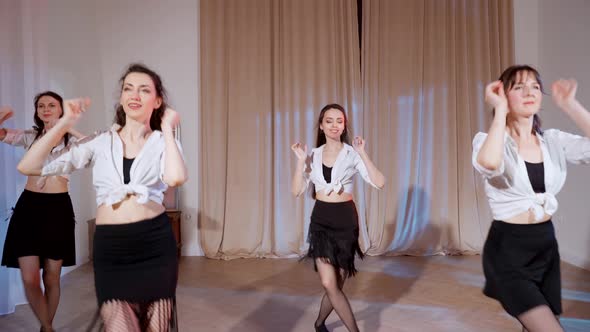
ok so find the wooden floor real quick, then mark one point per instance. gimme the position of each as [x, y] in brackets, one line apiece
[441, 293]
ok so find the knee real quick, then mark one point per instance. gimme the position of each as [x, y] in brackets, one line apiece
[51, 280]
[31, 279]
[329, 283]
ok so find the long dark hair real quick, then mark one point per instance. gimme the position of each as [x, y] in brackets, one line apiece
[321, 136]
[39, 126]
[508, 79]
[156, 118]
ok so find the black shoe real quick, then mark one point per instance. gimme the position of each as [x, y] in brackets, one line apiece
[321, 328]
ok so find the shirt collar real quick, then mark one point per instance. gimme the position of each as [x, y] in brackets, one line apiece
[512, 142]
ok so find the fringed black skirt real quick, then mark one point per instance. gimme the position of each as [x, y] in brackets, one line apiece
[136, 264]
[41, 225]
[333, 235]
[521, 266]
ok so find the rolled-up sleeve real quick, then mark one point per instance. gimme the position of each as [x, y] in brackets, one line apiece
[19, 137]
[575, 147]
[478, 141]
[360, 166]
[76, 155]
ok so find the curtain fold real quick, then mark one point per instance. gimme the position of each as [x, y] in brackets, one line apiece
[267, 68]
[414, 90]
[425, 66]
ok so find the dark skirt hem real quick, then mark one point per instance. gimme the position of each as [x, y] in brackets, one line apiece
[136, 263]
[41, 225]
[521, 267]
[333, 236]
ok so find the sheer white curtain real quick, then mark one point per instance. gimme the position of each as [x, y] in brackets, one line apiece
[424, 67]
[267, 69]
[23, 68]
[414, 91]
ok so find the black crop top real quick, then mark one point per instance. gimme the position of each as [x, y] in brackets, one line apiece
[127, 169]
[327, 173]
[536, 172]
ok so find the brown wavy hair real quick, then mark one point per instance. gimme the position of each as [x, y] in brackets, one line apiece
[156, 118]
[509, 77]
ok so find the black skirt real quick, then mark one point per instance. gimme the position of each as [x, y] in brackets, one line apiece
[521, 266]
[41, 225]
[333, 235]
[135, 262]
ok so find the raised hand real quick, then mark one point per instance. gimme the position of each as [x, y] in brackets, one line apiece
[73, 109]
[300, 151]
[358, 144]
[5, 113]
[51, 123]
[496, 98]
[170, 119]
[564, 93]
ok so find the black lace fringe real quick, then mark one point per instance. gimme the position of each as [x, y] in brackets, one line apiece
[339, 252]
[141, 315]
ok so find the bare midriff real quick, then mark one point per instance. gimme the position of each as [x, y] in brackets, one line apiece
[53, 185]
[333, 197]
[127, 211]
[527, 217]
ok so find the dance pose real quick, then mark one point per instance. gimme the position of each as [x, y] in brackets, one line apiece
[524, 168]
[41, 230]
[334, 228]
[135, 263]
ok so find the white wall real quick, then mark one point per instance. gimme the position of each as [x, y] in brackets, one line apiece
[165, 36]
[72, 63]
[553, 36]
[526, 32]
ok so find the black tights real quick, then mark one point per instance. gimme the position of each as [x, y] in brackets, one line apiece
[124, 316]
[539, 319]
[334, 298]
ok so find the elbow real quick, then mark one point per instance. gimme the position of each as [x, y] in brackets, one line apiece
[378, 180]
[23, 169]
[381, 184]
[176, 181]
[298, 191]
[490, 165]
[297, 187]
[295, 193]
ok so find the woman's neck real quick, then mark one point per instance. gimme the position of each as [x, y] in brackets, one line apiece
[333, 145]
[520, 129]
[135, 130]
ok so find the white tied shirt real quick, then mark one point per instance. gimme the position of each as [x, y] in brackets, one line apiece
[104, 153]
[508, 188]
[26, 138]
[347, 164]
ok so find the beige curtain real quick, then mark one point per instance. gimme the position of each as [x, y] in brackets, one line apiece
[425, 66]
[267, 68]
